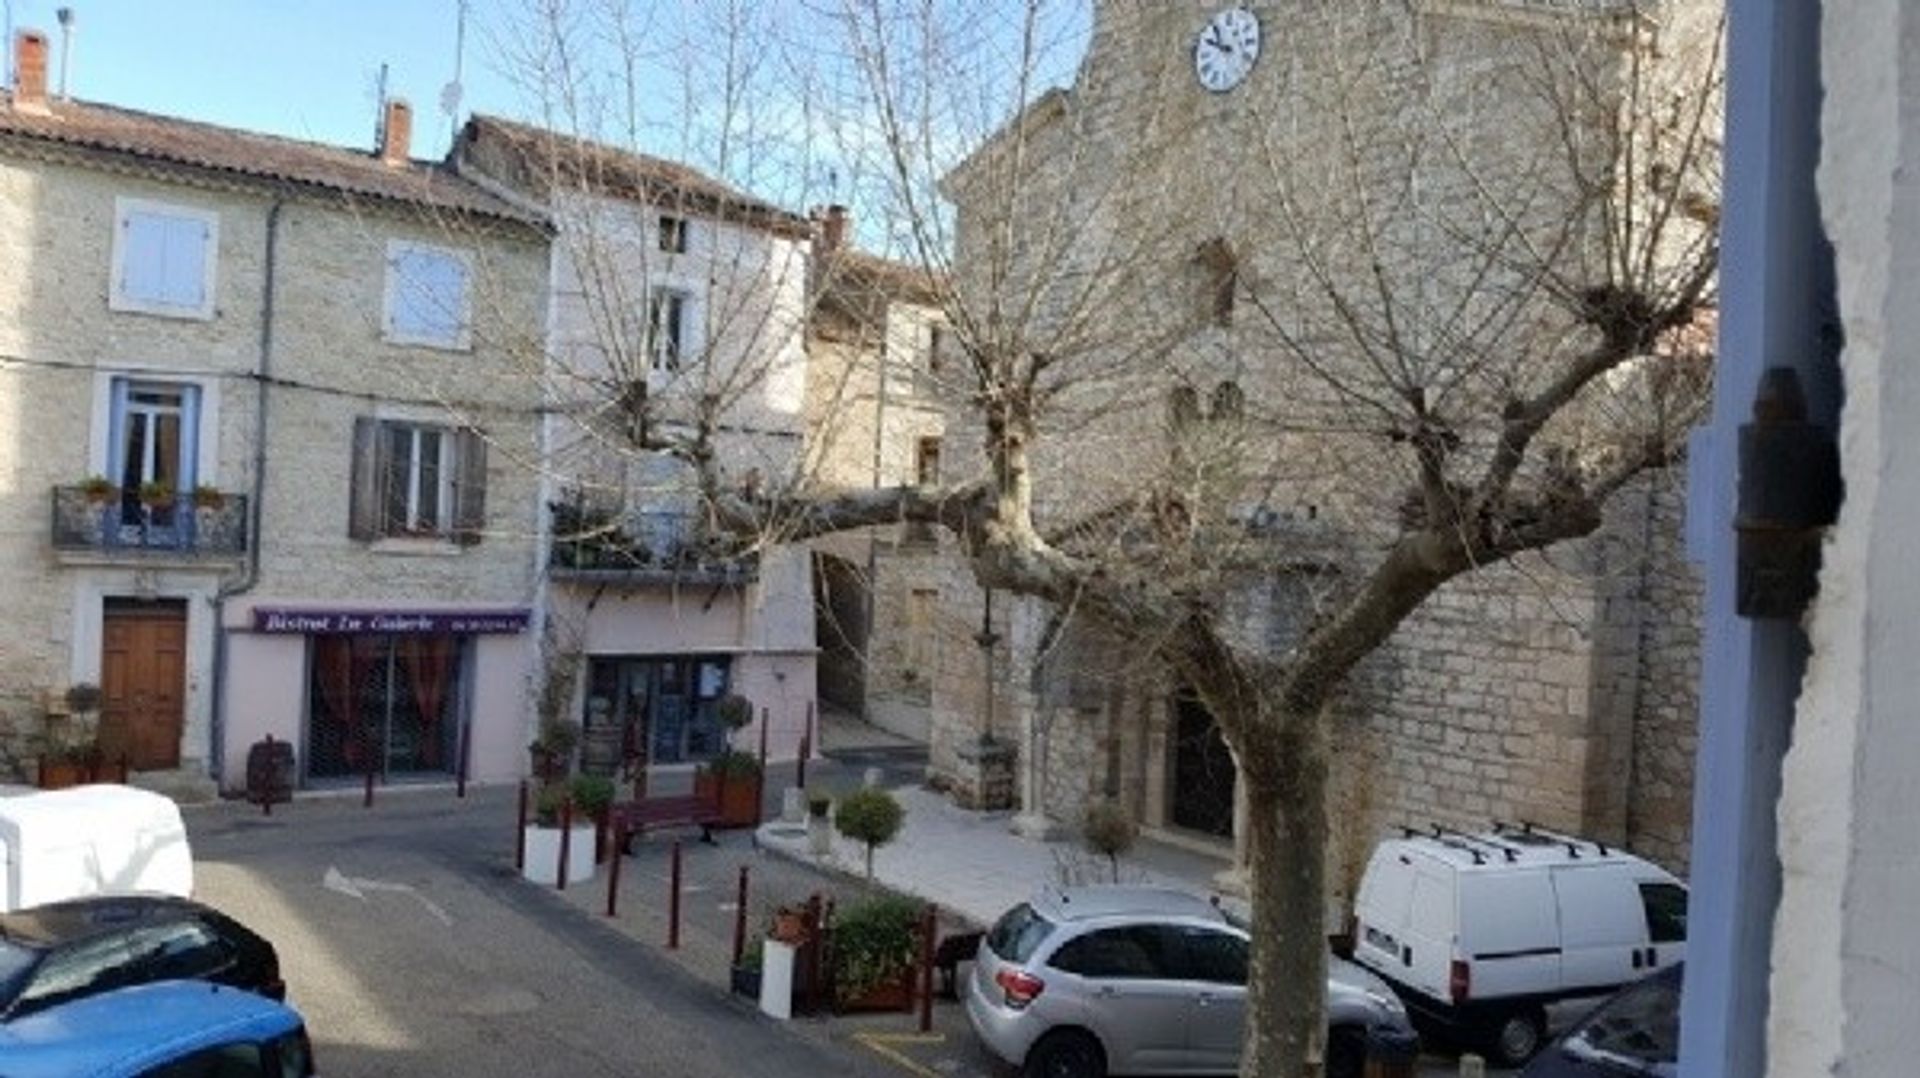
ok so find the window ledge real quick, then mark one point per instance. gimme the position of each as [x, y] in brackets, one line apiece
[438, 344]
[426, 546]
[128, 305]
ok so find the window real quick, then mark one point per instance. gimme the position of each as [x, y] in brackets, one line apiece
[673, 234]
[937, 346]
[224, 1061]
[417, 479]
[86, 968]
[926, 462]
[1666, 905]
[163, 258]
[667, 330]
[1639, 1026]
[1018, 933]
[181, 950]
[1217, 957]
[662, 709]
[1138, 952]
[426, 296]
[153, 448]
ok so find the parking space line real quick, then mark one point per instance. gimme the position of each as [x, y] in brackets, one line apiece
[882, 1045]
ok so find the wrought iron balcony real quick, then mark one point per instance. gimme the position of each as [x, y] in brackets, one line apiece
[112, 522]
[640, 546]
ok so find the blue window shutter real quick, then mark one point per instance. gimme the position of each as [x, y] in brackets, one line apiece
[143, 273]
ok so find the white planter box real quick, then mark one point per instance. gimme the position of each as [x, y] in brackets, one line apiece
[543, 855]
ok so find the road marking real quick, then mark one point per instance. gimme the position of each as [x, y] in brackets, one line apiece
[355, 887]
[882, 1044]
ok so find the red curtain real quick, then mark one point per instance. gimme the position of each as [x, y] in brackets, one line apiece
[340, 663]
[429, 662]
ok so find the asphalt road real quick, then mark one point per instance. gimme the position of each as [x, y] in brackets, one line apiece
[412, 949]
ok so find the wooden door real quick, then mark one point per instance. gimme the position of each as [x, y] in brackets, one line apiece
[143, 675]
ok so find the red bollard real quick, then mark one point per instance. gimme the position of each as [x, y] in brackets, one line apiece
[929, 924]
[613, 874]
[740, 918]
[566, 840]
[520, 833]
[673, 900]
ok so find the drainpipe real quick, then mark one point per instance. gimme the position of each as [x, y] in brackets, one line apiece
[263, 368]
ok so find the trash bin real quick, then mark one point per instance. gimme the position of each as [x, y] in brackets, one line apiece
[1391, 1053]
[270, 772]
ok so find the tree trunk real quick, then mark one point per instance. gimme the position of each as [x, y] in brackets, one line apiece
[1286, 1026]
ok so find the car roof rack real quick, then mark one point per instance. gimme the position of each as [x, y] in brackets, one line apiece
[1571, 842]
[1510, 852]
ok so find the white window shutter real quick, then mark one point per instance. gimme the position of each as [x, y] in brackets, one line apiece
[143, 266]
[185, 262]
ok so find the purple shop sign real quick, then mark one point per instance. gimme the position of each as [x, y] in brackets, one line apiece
[280, 619]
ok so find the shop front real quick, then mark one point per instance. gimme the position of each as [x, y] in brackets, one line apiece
[403, 695]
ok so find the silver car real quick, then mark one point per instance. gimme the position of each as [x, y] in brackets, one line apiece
[1089, 981]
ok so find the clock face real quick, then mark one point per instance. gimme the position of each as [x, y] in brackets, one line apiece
[1226, 49]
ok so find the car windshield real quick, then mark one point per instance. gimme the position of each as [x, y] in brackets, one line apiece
[16, 965]
[1639, 1027]
[1018, 933]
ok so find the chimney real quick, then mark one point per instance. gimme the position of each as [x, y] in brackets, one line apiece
[30, 72]
[833, 230]
[396, 133]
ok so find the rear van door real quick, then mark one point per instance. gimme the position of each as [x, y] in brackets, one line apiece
[1427, 945]
[1380, 911]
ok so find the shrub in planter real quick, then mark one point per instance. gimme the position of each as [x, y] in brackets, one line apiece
[553, 749]
[873, 951]
[734, 778]
[546, 807]
[1108, 831]
[819, 804]
[870, 816]
[592, 795]
[746, 972]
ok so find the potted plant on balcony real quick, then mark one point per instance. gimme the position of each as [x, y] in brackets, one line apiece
[156, 495]
[209, 499]
[98, 489]
[872, 954]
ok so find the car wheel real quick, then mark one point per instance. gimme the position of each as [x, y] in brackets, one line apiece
[1346, 1052]
[1066, 1053]
[1517, 1036]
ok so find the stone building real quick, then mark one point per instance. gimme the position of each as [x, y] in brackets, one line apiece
[876, 406]
[676, 313]
[1559, 688]
[261, 447]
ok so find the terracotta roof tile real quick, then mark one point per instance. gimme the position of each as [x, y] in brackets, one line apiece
[609, 170]
[173, 143]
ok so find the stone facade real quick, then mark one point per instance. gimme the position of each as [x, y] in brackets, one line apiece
[1559, 688]
[281, 385]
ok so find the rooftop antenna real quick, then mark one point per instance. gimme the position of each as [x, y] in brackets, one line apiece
[452, 93]
[380, 110]
[65, 16]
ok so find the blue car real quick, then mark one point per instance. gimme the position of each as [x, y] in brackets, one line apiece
[169, 1029]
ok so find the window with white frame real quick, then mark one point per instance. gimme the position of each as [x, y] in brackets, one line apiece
[427, 296]
[416, 479]
[163, 259]
[669, 336]
[153, 446]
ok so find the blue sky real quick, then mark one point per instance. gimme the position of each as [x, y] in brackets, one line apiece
[302, 68]
[310, 69]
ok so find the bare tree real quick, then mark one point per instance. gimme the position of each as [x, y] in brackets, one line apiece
[1442, 278]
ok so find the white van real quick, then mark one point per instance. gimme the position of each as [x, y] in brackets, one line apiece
[91, 840]
[1478, 932]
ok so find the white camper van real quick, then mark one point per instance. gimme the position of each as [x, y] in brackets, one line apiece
[91, 840]
[1478, 932]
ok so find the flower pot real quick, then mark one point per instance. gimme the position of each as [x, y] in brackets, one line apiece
[739, 797]
[789, 925]
[543, 854]
[892, 994]
[745, 981]
[60, 774]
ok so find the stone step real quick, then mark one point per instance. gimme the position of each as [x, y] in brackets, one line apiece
[188, 786]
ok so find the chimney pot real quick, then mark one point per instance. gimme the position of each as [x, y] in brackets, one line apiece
[833, 229]
[397, 135]
[30, 72]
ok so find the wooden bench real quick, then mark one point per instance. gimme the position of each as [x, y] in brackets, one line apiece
[640, 815]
